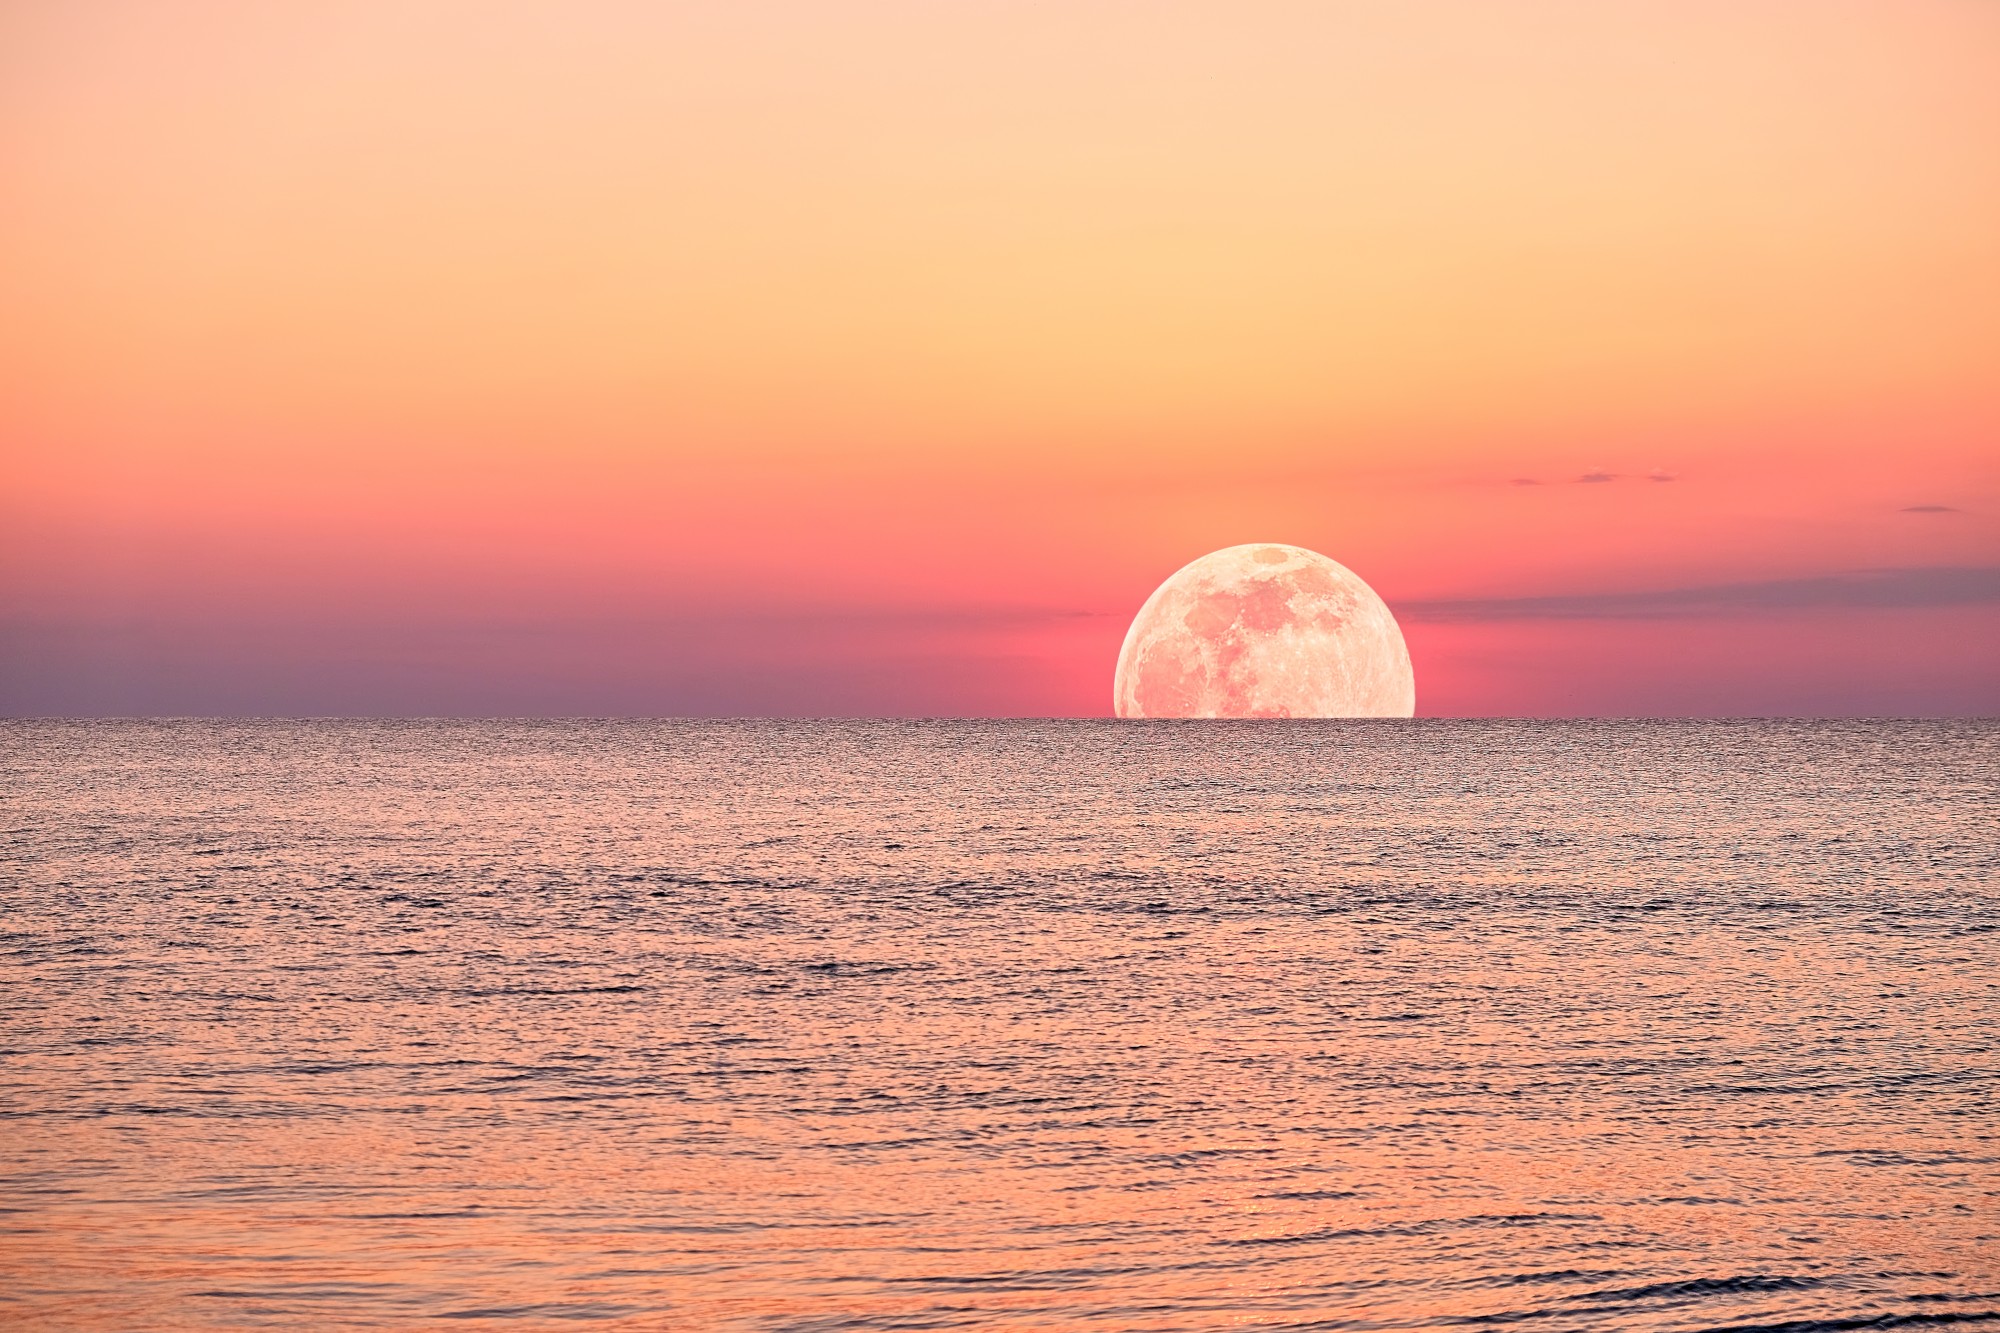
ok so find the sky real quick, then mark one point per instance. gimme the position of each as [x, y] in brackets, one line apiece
[880, 357]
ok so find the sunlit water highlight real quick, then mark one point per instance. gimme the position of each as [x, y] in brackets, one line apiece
[819, 1026]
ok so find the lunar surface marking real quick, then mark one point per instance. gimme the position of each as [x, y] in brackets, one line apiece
[1264, 631]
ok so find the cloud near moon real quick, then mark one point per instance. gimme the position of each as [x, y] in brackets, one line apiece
[1264, 631]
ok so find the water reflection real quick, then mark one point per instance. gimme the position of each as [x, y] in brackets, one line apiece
[819, 1026]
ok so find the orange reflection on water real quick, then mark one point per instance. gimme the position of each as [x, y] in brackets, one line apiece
[1023, 1025]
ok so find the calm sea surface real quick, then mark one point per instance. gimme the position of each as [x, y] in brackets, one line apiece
[827, 1026]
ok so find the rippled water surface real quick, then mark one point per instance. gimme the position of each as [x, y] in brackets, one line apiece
[818, 1026]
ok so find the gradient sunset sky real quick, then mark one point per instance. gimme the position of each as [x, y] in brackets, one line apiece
[880, 358]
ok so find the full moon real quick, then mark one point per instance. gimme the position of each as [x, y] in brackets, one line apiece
[1264, 631]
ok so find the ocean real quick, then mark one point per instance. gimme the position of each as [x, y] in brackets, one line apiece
[819, 1026]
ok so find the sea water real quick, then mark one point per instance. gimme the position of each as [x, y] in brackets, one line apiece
[1036, 1025]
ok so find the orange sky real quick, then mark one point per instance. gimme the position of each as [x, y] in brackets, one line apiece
[881, 357]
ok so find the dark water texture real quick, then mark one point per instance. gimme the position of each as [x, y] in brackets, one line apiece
[828, 1026]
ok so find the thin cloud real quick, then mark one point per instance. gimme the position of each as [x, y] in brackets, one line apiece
[1866, 589]
[1598, 475]
[1928, 509]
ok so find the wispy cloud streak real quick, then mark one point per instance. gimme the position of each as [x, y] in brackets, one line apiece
[1922, 586]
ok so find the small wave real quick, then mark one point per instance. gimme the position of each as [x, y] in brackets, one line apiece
[1703, 1286]
[1876, 1321]
[549, 1310]
[1314, 1194]
[517, 991]
[1424, 1228]
[1540, 1279]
